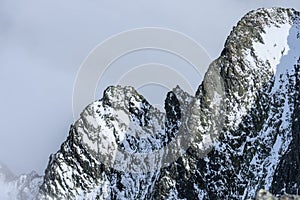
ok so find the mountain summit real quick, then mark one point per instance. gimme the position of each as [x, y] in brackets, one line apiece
[237, 135]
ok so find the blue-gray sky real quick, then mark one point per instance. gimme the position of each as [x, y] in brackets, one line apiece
[43, 43]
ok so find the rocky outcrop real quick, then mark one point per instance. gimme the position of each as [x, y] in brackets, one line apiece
[238, 134]
[287, 175]
[265, 195]
[241, 128]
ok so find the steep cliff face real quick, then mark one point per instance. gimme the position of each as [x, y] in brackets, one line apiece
[287, 175]
[238, 134]
[259, 135]
[251, 136]
[89, 164]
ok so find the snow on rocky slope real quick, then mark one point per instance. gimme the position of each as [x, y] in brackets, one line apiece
[21, 187]
[238, 134]
[259, 66]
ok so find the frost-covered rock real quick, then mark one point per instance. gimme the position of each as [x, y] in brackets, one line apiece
[265, 195]
[238, 134]
[243, 122]
[18, 187]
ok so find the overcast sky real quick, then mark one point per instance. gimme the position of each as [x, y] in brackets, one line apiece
[43, 43]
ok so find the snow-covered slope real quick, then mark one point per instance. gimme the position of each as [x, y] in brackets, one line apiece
[122, 119]
[259, 66]
[238, 134]
[256, 74]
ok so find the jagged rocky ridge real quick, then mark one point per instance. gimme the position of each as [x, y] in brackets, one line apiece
[25, 186]
[259, 66]
[243, 126]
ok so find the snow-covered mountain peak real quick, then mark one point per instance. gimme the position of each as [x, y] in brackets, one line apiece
[238, 134]
[238, 127]
[123, 97]
[278, 41]
[262, 37]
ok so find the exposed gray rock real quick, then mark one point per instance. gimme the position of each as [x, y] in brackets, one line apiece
[238, 134]
[265, 195]
[243, 125]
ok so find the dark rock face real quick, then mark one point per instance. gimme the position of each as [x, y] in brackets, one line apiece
[243, 123]
[173, 115]
[287, 175]
[252, 145]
